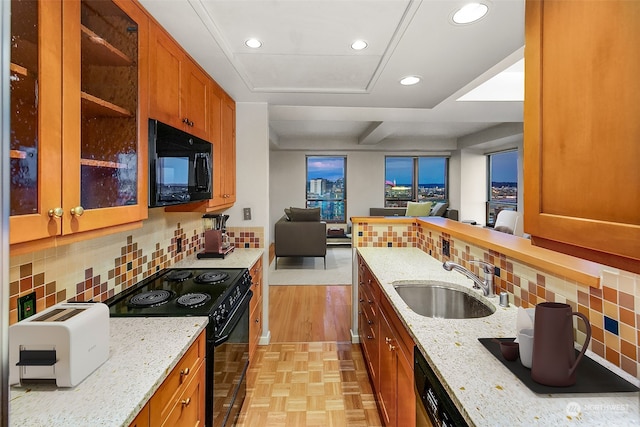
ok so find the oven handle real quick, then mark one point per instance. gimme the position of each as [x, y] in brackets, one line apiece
[234, 318]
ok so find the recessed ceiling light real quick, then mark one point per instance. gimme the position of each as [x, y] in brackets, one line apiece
[253, 43]
[359, 45]
[470, 13]
[409, 80]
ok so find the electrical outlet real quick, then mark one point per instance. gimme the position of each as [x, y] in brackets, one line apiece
[247, 213]
[179, 244]
[26, 306]
[445, 248]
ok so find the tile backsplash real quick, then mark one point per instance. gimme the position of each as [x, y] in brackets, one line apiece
[99, 268]
[613, 309]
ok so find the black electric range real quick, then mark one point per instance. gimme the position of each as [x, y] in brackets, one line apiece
[223, 295]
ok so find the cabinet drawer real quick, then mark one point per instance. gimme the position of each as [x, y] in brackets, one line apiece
[187, 409]
[164, 399]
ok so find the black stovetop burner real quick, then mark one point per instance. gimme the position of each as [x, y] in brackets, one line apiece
[193, 300]
[178, 275]
[152, 298]
[211, 277]
[181, 292]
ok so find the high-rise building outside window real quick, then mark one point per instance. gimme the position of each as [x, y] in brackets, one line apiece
[416, 178]
[326, 186]
[503, 183]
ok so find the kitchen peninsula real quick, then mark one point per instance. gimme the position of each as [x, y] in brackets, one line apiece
[485, 392]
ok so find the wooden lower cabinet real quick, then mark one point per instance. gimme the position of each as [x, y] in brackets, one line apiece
[388, 352]
[142, 419]
[180, 400]
[255, 308]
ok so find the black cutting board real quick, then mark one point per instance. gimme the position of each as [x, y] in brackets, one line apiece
[591, 377]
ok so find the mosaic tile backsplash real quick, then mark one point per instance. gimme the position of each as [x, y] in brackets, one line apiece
[613, 309]
[99, 268]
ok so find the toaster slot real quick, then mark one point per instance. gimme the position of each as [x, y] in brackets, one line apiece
[37, 358]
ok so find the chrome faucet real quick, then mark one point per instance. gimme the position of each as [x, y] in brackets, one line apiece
[486, 285]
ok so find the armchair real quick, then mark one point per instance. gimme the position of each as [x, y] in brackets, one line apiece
[295, 238]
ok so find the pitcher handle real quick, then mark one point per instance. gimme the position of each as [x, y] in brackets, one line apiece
[586, 341]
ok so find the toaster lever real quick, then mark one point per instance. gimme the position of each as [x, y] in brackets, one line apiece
[37, 358]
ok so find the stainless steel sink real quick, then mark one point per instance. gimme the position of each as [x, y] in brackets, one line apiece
[442, 299]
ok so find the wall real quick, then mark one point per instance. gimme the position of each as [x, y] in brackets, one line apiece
[365, 179]
[252, 185]
[613, 309]
[473, 186]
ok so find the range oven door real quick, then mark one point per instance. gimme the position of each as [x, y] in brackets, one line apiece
[229, 365]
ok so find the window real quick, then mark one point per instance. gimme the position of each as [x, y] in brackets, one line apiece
[417, 179]
[326, 186]
[503, 183]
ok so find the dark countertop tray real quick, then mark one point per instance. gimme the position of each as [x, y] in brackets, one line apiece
[591, 377]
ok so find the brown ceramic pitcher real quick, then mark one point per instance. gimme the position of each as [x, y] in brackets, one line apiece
[554, 357]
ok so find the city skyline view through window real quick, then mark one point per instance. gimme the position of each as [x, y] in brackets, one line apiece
[326, 186]
[503, 183]
[418, 179]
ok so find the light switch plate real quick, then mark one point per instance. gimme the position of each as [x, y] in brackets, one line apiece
[246, 212]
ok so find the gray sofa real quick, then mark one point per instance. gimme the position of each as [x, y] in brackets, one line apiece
[294, 238]
[448, 213]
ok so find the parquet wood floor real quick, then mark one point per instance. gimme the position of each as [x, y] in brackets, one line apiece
[321, 383]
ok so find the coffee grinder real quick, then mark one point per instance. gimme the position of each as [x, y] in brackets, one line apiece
[216, 240]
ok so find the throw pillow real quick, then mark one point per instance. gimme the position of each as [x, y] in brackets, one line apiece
[418, 209]
[301, 214]
[439, 209]
[287, 213]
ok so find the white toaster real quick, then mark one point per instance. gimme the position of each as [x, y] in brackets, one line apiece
[65, 343]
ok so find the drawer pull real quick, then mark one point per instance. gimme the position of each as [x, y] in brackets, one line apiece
[184, 372]
[186, 401]
[369, 337]
[257, 320]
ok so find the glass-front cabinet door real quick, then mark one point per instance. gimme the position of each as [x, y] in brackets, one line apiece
[78, 122]
[36, 119]
[103, 170]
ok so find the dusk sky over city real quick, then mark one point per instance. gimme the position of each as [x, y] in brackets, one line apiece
[398, 169]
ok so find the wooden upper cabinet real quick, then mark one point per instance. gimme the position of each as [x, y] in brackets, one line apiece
[179, 90]
[36, 120]
[228, 147]
[86, 167]
[582, 180]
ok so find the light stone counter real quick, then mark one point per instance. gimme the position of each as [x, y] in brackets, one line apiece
[239, 258]
[143, 351]
[484, 390]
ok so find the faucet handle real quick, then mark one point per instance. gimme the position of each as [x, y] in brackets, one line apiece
[487, 267]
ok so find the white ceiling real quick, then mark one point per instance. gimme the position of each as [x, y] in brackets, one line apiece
[324, 95]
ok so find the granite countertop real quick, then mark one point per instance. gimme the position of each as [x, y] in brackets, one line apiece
[484, 390]
[239, 258]
[140, 358]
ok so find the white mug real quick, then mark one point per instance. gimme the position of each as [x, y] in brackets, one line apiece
[525, 338]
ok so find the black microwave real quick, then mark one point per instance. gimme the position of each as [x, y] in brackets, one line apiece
[180, 166]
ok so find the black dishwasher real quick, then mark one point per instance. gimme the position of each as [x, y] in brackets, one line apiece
[434, 407]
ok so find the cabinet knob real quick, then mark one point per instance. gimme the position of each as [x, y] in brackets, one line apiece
[387, 340]
[257, 320]
[57, 212]
[77, 211]
[184, 372]
[186, 401]
[369, 337]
